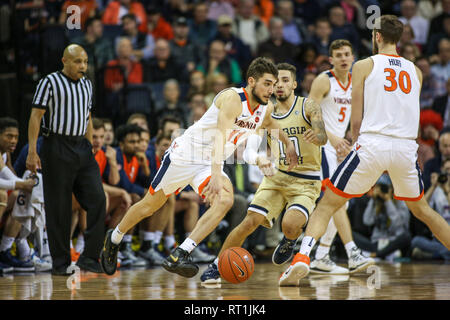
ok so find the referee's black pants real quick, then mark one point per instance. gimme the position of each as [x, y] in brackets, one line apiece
[68, 165]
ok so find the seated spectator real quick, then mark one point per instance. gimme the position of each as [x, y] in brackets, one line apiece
[276, 47]
[407, 38]
[197, 81]
[390, 221]
[218, 8]
[436, 24]
[201, 29]
[434, 165]
[431, 124]
[441, 66]
[235, 47]
[157, 25]
[163, 65]
[197, 107]
[429, 9]
[183, 49]
[218, 62]
[132, 68]
[437, 196]
[249, 27]
[419, 24]
[171, 105]
[87, 10]
[294, 30]
[168, 125]
[215, 84]
[140, 120]
[109, 132]
[442, 105]
[321, 36]
[171, 10]
[410, 52]
[433, 42]
[308, 10]
[264, 9]
[143, 43]
[429, 89]
[342, 29]
[98, 48]
[307, 60]
[305, 84]
[116, 9]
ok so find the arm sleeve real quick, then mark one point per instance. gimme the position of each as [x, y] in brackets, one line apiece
[7, 184]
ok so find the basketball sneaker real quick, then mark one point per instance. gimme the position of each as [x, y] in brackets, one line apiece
[4, 268]
[326, 266]
[211, 274]
[357, 262]
[152, 256]
[128, 254]
[200, 256]
[283, 252]
[180, 262]
[41, 265]
[298, 269]
[19, 266]
[108, 256]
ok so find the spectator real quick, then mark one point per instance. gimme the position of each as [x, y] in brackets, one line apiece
[407, 37]
[390, 221]
[294, 30]
[116, 9]
[431, 124]
[214, 85]
[218, 8]
[264, 10]
[201, 29]
[197, 107]
[321, 36]
[305, 85]
[143, 43]
[163, 65]
[419, 24]
[308, 10]
[109, 133]
[197, 81]
[354, 13]
[433, 42]
[436, 23]
[410, 51]
[342, 29]
[183, 49]
[157, 25]
[429, 89]
[218, 61]
[307, 60]
[438, 198]
[140, 120]
[132, 69]
[168, 125]
[98, 48]
[434, 165]
[276, 47]
[441, 67]
[429, 9]
[249, 27]
[235, 47]
[174, 9]
[171, 105]
[442, 105]
[87, 10]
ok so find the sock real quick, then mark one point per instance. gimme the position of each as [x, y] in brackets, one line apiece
[23, 249]
[322, 251]
[348, 247]
[216, 262]
[79, 246]
[307, 245]
[169, 241]
[127, 238]
[6, 243]
[188, 245]
[116, 236]
[148, 236]
[158, 236]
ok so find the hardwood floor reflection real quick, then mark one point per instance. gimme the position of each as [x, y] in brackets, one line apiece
[384, 281]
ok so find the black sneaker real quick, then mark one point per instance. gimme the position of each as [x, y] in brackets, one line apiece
[89, 264]
[19, 266]
[179, 262]
[108, 256]
[4, 268]
[283, 252]
[62, 270]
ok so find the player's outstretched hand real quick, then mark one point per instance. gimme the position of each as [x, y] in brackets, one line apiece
[265, 165]
[291, 156]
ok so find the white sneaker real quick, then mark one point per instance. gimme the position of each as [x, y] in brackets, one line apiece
[357, 262]
[326, 266]
[298, 269]
[40, 265]
[199, 256]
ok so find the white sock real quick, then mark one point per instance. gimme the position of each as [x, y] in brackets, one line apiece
[169, 241]
[79, 246]
[322, 251]
[148, 236]
[117, 236]
[188, 245]
[158, 236]
[6, 243]
[307, 245]
[127, 238]
[348, 247]
[23, 248]
[216, 262]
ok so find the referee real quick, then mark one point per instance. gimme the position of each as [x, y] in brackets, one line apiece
[63, 102]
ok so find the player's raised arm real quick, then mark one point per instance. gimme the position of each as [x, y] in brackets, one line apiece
[361, 70]
[317, 135]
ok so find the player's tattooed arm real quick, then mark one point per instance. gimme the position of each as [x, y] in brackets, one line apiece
[317, 135]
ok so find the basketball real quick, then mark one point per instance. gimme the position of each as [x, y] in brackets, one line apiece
[236, 265]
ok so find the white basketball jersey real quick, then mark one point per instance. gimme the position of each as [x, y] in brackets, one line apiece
[5, 157]
[391, 98]
[197, 142]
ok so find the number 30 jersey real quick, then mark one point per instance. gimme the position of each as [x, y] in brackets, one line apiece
[391, 98]
[294, 123]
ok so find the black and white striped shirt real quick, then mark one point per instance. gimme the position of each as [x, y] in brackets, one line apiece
[68, 103]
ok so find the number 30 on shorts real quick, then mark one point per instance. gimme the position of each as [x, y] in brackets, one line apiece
[404, 80]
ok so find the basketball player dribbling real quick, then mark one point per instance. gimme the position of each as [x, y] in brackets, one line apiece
[384, 127]
[196, 158]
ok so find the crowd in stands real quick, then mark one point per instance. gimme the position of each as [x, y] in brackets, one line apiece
[156, 66]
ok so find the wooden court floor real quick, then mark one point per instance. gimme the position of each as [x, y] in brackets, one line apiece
[384, 281]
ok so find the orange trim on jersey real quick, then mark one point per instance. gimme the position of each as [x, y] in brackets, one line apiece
[340, 84]
[151, 190]
[409, 199]
[248, 103]
[203, 185]
[341, 193]
[237, 137]
[390, 55]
